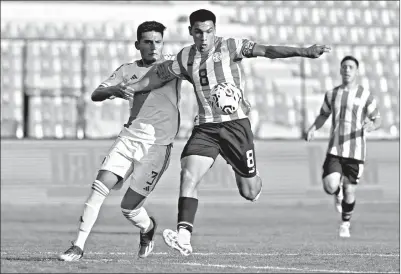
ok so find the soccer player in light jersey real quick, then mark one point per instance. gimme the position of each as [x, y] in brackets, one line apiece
[143, 146]
[209, 61]
[354, 111]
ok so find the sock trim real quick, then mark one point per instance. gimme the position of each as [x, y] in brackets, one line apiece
[185, 223]
[100, 188]
[131, 213]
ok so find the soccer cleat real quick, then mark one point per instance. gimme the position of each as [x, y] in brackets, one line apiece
[344, 230]
[146, 242]
[74, 253]
[171, 238]
[338, 198]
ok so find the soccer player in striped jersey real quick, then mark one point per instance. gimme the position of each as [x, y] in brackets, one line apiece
[354, 111]
[142, 148]
[212, 60]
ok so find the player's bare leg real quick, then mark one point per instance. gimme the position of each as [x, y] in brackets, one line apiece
[348, 205]
[132, 208]
[249, 188]
[193, 168]
[332, 185]
[101, 187]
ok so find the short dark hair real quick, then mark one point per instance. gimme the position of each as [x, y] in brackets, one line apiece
[349, 57]
[149, 26]
[202, 15]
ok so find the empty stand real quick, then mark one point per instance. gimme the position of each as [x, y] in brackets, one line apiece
[66, 61]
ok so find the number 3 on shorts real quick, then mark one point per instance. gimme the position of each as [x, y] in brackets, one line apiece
[250, 161]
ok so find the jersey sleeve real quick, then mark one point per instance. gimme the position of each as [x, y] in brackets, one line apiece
[325, 110]
[243, 48]
[372, 111]
[173, 67]
[176, 67]
[115, 78]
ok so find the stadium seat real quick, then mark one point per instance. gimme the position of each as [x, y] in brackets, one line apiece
[53, 30]
[69, 117]
[13, 30]
[105, 119]
[5, 28]
[126, 31]
[326, 84]
[370, 29]
[74, 30]
[109, 30]
[11, 82]
[263, 15]
[93, 30]
[52, 117]
[11, 113]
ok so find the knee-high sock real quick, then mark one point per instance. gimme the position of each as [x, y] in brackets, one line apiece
[187, 208]
[139, 218]
[91, 211]
[347, 210]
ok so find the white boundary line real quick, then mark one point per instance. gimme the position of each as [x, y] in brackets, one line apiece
[280, 268]
[266, 267]
[230, 254]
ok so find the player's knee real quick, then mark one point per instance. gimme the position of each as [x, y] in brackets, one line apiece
[331, 182]
[108, 178]
[349, 189]
[330, 186]
[187, 177]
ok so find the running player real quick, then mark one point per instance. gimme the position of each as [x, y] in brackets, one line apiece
[209, 61]
[142, 148]
[354, 112]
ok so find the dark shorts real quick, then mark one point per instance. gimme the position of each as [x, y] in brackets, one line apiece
[350, 168]
[233, 140]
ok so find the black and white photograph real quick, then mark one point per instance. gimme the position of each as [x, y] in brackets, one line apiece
[200, 136]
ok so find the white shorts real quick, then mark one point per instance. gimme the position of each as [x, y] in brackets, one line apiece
[146, 163]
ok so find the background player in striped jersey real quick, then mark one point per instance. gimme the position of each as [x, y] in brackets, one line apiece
[209, 61]
[142, 147]
[354, 112]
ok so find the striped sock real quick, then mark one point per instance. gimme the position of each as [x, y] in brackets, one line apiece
[139, 218]
[91, 211]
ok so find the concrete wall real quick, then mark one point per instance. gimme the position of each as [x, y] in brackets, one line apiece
[62, 171]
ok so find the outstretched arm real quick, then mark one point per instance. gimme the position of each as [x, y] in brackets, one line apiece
[274, 52]
[155, 78]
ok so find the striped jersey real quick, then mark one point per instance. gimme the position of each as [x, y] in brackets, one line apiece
[205, 70]
[154, 116]
[349, 109]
